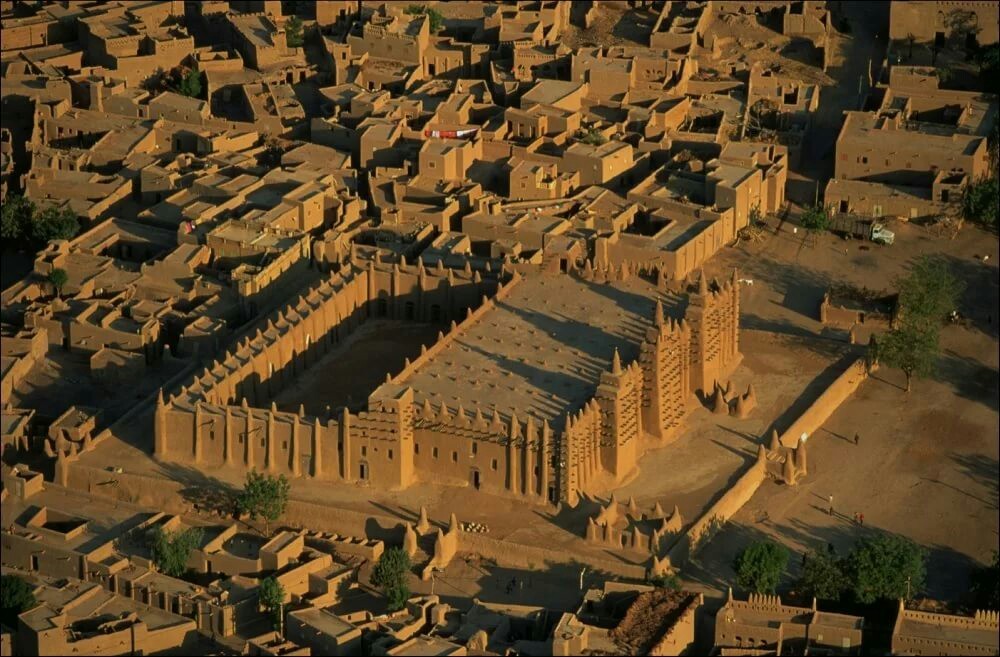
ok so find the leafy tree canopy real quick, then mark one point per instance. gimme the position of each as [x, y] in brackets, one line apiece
[591, 136]
[885, 567]
[928, 293]
[389, 575]
[58, 278]
[190, 84]
[25, 223]
[911, 348]
[989, 64]
[293, 32]
[986, 585]
[172, 549]
[981, 201]
[816, 218]
[264, 495]
[16, 597]
[671, 582]
[822, 576]
[433, 15]
[271, 595]
[759, 566]
[54, 223]
[17, 212]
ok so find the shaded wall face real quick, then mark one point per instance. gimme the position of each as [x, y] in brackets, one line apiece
[742, 635]
[909, 163]
[925, 19]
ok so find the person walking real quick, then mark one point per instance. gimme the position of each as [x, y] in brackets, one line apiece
[861, 519]
[831, 505]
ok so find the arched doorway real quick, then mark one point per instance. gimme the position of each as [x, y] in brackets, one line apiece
[475, 479]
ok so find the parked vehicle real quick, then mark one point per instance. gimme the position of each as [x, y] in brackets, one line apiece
[859, 228]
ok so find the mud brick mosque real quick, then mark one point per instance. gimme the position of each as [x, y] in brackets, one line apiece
[539, 386]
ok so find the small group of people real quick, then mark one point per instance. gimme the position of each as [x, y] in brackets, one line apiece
[513, 584]
[859, 518]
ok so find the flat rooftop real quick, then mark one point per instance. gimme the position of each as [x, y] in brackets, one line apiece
[969, 635]
[324, 621]
[426, 645]
[542, 349]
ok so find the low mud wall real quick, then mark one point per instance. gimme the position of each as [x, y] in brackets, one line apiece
[702, 529]
[825, 405]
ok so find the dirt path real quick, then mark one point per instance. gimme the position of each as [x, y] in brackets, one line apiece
[849, 63]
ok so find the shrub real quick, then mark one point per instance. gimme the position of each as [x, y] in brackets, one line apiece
[591, 136]
[190, 84]
[433, 15]
[816, 218]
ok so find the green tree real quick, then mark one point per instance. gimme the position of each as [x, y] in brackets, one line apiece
[993, 151]
[816, 219]
[591, 136]
[17, 213]
[172, 549]
[293, 32]
[671, 582]
[16, 597]
[265, 496]
[190, 84]
[271, 595]
[433, 15]
[759, 566]
[986, 585]
[981, 201]
[929, 293]
[58, 278]
[910, 348]
[756, 216]
[389, 575]
[963, 25]
[271, 155]
[54, 223]
[822, 576]
[989, 64]
[885, 567]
